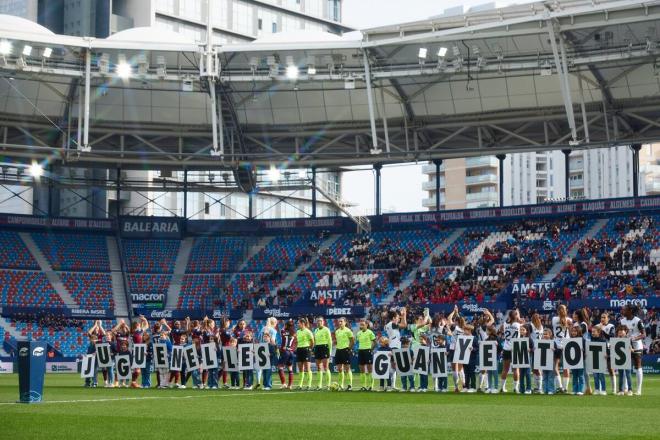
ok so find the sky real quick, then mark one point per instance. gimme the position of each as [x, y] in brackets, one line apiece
[401, 185]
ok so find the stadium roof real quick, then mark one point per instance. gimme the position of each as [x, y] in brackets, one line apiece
[483, 83]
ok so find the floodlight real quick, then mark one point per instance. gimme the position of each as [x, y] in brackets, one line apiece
[47, 52]
[36, 170]
[292, 72]
[123, 69]
[5, 47]
[302, 173]
[273, 174]
[422, 53]
[442, 52]
[27, 50]
[104, 64]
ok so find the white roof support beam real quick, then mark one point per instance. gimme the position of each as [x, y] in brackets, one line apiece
[88, 79]
[370, 102]
[562, 72]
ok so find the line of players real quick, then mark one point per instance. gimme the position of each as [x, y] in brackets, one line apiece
[294, 345]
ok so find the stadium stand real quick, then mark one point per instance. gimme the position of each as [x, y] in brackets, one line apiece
[27, 289]
[13, 252]
[90, 290]
[150, 256]
[74, 252]
[570, 257]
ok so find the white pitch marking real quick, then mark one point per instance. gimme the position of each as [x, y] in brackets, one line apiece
[118, 399]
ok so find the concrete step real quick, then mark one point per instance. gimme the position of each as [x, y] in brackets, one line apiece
[4, 323]
[174, 290]
[572, 252]
[118, 291]
[291, 276]
[47, 269]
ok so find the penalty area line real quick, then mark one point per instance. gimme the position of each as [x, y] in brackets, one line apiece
[120, 399]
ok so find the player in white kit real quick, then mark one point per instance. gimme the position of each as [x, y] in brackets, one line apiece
[536, 334]
[560, 326]
[608, 330]
[637, 334]
[396, 321]
[510, 331]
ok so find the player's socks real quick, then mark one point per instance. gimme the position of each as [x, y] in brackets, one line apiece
[309, 381]
[290, 378]
[320, 373]
[350, 377]
[558, 384]
[539, 382]
[516, 386]
[503, 386]
[341, 378]
[565, 382]
[482, 381]
[328, 376]
[394, 379]
[282, 378]
[640, 378]
[302, 378]
[454, 374]
[224, 377]
[373, 380]
[614, 390]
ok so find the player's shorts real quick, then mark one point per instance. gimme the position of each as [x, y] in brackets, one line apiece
[286, 358]
[302, 354]
[343, 356]
[636, 357]
[506, 355]
[365, 357]
[321, 352]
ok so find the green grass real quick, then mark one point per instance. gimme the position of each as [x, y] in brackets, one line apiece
[91, 414]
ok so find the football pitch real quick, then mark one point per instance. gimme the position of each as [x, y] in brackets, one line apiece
[73, 412]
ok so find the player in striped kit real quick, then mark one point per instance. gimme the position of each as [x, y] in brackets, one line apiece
[287, 350]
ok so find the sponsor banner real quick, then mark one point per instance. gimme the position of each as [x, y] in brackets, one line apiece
[592, 303]
[332, 224]
[467, 309]
[67, 313]
[148, 300]
[151, 227]
[650, 364]
[518, 288]
[334, 294]
[624, 204]
[293, 312]
[6, 367]
[61, 367]
[63, 223]
[156, 315]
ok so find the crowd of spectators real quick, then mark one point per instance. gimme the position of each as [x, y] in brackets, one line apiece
[49, 320]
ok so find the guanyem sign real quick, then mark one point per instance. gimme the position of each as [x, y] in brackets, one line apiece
[423, 360]
[243, 357]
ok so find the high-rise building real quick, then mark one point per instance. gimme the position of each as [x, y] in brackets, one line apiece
[532, 178]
